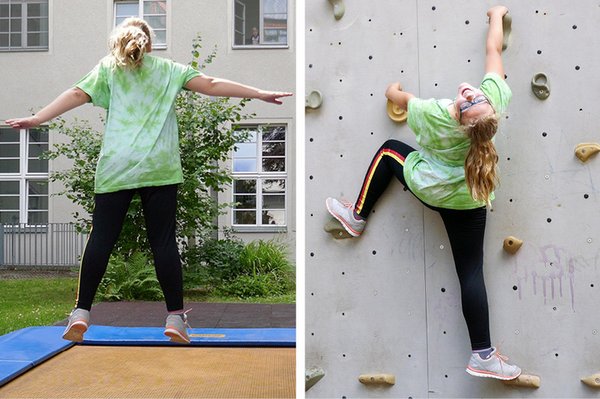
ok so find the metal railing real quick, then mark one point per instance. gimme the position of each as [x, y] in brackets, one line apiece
[39, 246]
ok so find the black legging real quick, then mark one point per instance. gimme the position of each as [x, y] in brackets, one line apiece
[465, 228]
[159, 205]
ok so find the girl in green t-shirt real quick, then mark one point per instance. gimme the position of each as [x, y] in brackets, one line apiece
[139, 154]
[454, 173]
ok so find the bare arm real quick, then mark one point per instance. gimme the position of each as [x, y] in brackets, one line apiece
[493, 45]
[71, 98]
[395, 94]
[226, 88]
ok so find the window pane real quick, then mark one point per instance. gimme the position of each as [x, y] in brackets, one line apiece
[245, 201]
[247, 14]
[9, 166]
[15, 25]
[274, 133]
[37, 24]
[125, 10]
[9, 150]
[37, 165]
[3, 39]
[160, 36]
[3, 25]
[34, 10]
[37, 217]
[244, 186]
[273, 165]
[34, 39]
[15, 10]
[245, 150]
[273, 186]
[38, 135]
[35, 150]
[9, 187]
[155, 7]
[273, 149]
[9, 135]
[38, 187]
[4, 10]
[10, 203]
[244, 217]
[15, 40]
[244, 165]
[38, 203]
[9, 217]
[273, 201]
[275, 21]
[273, 217]
[157, 22]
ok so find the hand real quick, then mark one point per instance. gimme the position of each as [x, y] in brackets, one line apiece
[396, 86]
[23, 123]
[273, 96]
[497, 10]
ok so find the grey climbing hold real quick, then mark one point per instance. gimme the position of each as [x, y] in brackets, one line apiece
[335, 228]
[506, 30]
[312, 376]
[584, 151]
[338, 8]
[540, 86]
[512, 244]
[314, 99]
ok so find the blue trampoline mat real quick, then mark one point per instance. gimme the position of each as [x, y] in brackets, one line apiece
[23, 349]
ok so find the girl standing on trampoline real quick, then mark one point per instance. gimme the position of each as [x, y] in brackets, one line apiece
[454, 173]
[139, 154]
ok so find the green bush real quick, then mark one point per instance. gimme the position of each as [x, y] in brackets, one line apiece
[132, 278]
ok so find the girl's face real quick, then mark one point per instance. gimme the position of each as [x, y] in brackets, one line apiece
[471, 104]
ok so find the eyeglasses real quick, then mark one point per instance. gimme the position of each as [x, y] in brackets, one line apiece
[468, 104]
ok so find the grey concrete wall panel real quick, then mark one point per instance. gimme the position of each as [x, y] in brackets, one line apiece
[365, 312]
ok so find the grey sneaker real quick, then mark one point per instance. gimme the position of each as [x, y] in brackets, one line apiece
[176, 328]
[495, 367]
[343, 211]
[79, 321]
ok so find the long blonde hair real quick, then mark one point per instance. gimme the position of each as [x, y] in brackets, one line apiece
[482, 158]
[129, 41]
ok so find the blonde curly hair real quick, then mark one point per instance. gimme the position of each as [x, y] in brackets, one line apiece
[129, 42]
[482, 158]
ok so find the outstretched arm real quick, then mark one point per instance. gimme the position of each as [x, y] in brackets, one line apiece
[395, 94]
[66, 101]
[226, 88]
[493, 45]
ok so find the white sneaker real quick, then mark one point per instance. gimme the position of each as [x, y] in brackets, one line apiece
[343, 211]
[79, 321]
[176, 328]
[494, 366]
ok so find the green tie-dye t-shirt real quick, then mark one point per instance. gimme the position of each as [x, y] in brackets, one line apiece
[141, 144]
[435, 173]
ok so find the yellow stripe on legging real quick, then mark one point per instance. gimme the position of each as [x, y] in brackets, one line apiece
[391, 153]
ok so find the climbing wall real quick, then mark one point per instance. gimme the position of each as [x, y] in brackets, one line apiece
[389, 302]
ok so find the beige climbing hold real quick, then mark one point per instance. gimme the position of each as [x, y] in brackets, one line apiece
[584, 151]
[506, 31]
[312, 376]
[338, 8]
[396, 113]
[592, 380]
[525, 380]
[377, 379]
[512, 244]
[314, 99]
[335, 228]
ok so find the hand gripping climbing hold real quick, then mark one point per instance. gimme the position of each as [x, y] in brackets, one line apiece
[314, 99]
[396, 113]
[592, 380]
[540, 86]
[584, 151]
[335, 228]
[312, 376]
[506, 30]
[338, 8]
[512, 244]
[525, 380]
[377, 379]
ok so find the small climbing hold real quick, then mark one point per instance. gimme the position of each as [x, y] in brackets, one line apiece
[377, 379]
[584, 151]
[335, 228]
[338, 8]
[312, 376]
[396, 113]
[525, 380]
[314, 99]
[540, 86]
[592, 380]
[512, 244]
[506, 30]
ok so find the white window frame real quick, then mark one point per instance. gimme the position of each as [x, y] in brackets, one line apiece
[260, 29]
[259, 176]
[140, 14]
[24, 177]
[24, 31]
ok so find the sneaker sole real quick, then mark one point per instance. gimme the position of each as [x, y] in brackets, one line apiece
[340, 219]
[75, 332]
[481, 373]
[175, 336]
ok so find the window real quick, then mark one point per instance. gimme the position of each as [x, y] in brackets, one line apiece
[153, 12]
[260, 177]
[260, 23]
[23, 176]
[23, 25]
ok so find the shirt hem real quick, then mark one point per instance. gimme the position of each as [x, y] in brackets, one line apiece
[137, 185]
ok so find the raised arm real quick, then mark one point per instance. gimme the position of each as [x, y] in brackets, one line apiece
[395, 94]
[226, 88]
[66, 101]
[493, 45]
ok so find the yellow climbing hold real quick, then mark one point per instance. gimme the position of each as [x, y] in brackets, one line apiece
[592, 380]
[396, 113]
[584, 151]
[377, 379]
[512, 244]
[525, 380]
